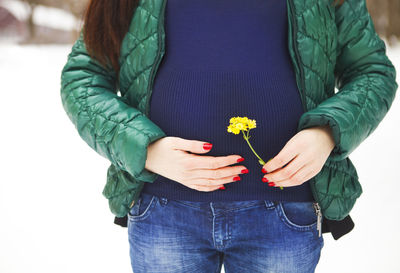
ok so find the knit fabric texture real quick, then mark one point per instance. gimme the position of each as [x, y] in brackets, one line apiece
[217, 66]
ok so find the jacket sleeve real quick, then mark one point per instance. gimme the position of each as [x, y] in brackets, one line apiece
[365, 78]
[104, 120]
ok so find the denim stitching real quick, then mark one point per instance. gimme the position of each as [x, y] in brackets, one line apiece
[281, 214]
[145, 213]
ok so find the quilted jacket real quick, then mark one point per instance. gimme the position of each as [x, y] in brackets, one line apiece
[330, 46]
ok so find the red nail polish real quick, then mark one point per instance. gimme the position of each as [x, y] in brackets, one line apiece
[240, 159]
[271, 184]
[264, 179]
[236, 178]
[264, 170]
[207, 146]
[222, 188]
[244, 171]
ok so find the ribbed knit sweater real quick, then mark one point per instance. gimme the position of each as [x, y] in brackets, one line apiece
[224, 59]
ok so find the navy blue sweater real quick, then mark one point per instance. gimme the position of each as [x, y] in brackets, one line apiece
[223, 59]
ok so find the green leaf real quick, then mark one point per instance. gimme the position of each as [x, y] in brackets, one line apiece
[261, 162]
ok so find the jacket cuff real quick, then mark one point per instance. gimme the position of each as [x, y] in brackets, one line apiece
[145, 174]
[310, 119]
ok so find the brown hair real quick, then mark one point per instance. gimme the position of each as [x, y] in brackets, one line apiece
[105, 24]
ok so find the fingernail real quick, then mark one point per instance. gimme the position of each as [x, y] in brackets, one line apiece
[240, 159]
[244, 171]
[222, 188]
[236, 178]
[264, 179]
[271, 184]
[264, 170]
[207, 146]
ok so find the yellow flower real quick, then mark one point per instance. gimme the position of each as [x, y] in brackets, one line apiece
[252, 124]
[234, 130]
[238, 124]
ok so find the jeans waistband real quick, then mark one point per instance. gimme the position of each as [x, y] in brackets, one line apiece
[220, 205]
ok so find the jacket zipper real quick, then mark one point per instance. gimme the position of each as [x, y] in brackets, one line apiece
[158, 59]
[294, 31]
[302, 88]
[154, 68]
[319, 218]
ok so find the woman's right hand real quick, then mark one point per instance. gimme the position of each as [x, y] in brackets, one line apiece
[169, 156]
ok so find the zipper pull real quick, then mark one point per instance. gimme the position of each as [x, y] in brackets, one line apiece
[131, 205]
[319, 219]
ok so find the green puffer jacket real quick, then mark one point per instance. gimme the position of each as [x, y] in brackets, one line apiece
[330, 46]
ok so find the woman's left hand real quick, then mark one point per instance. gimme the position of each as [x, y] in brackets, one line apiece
[305, 154]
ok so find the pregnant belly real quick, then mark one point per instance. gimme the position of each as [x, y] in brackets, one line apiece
[197, 105]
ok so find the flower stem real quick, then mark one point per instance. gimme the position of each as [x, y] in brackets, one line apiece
[246, 137]
[251, 147]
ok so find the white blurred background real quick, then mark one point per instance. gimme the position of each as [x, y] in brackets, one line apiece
[48, 173]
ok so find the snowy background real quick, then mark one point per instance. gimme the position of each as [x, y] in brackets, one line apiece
[53, 217]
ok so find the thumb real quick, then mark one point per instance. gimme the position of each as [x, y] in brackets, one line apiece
[194, 146]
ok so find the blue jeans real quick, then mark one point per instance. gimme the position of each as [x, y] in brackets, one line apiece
[246, 236]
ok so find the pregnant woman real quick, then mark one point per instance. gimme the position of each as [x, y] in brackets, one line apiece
[151, 85]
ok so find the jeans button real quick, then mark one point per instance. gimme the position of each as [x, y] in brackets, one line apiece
[163, 201]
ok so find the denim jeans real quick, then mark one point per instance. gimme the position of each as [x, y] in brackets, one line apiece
[246, 236]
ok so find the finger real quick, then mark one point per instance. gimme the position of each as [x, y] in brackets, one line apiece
[205, 188]
[297, 179]
[288, 152]
[288, 171]
[215, 182]
[194, 146]
[209, 162]
[215, 173]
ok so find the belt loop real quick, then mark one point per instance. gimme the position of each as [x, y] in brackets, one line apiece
[270, 204]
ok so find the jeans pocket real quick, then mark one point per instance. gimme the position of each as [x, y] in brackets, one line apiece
[300, 216]
[143, 207]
